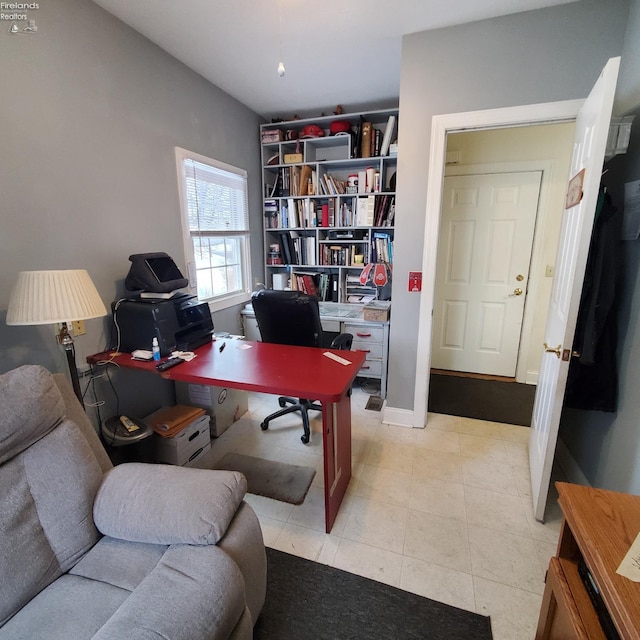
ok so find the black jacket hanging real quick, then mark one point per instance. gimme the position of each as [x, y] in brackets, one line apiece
[592, 383]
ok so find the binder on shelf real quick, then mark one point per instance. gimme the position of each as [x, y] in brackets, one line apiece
[376, 142]
[358, 139]
[292, 214]
[388, 133]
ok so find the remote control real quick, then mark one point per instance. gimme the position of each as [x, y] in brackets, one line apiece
[170, 362]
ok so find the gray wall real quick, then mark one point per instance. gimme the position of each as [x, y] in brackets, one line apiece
[90, 113]
[538, 56]
[606, 446]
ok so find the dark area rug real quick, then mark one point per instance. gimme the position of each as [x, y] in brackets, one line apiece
[311, 601]
[493, 400]
[278, 480]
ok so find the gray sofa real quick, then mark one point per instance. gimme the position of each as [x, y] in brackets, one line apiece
[136, 551]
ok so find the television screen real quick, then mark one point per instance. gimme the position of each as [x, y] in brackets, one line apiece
[164, 269]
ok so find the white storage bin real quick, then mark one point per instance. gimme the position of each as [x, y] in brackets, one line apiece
[186, 447]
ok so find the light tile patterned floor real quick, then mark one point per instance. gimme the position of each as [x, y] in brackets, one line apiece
[444, 512]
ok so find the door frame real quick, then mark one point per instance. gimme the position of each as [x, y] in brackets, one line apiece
[523, 115]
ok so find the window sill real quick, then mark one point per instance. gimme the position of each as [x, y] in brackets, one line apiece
[229, 301]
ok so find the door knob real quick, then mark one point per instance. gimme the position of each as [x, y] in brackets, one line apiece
[557, 350]
[516, 292]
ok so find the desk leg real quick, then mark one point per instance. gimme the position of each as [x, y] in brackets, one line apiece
[336, 443]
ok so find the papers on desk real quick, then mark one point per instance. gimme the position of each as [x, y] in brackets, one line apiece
[630, 565]
[333, 356]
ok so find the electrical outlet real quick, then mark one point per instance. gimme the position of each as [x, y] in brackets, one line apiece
[78, 328]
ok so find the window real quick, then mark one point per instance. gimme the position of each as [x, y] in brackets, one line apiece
[216, 228]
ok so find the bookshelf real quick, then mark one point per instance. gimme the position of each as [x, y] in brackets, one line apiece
[329, 202]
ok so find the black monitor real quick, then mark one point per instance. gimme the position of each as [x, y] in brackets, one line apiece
[154, 272]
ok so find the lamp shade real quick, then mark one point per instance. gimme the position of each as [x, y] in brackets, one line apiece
[48, 297]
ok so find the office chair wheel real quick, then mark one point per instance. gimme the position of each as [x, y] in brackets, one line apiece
[282, 402]
[264, 426]
[305, 438]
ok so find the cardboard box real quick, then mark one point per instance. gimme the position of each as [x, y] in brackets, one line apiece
[377, 311]
[292, 158]
[271, 135]
[223, 405]
[186, 447]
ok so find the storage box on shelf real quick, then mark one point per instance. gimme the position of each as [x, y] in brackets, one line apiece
[319, 191]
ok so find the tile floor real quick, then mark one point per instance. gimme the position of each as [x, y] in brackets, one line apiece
[444, 512]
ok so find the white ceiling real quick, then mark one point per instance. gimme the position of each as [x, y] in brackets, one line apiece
[335, 52]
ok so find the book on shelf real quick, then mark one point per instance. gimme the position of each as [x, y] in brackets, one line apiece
[292, 214]
[365, 144]
[388, 134]
[362, 181]
[288, 248]
[324, 221]
[382, 247]
[365, 211]
[315, 283]
[383, 208]
[305, 177]
[376, 142]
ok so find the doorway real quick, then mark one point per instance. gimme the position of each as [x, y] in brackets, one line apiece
[491, 122]
[503, 193]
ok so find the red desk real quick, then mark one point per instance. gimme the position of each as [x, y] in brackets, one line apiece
[303, 372]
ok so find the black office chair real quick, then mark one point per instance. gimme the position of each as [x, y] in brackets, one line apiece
[293, 318]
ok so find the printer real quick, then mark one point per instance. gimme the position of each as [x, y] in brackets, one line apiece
[159, 310]
[181, 322]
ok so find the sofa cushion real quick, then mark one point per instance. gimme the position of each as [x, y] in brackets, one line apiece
[164, 504]
[119, 563]
[72, 608]
[193, 592]
[31, 407]
[46, 505]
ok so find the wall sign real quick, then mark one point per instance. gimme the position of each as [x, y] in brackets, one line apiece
[415, 281]
[574, 190]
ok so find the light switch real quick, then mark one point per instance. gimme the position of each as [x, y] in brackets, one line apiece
[548, 272]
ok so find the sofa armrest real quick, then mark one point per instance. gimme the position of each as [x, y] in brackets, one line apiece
[164, 504]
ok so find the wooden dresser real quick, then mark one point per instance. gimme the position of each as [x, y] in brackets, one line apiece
[597, 530]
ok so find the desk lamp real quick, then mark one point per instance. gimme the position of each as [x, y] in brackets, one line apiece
[56, 297]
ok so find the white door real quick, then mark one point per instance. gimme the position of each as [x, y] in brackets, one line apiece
[592, 127]
[484, 251]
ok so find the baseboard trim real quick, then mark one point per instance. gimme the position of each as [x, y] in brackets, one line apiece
[569, 466]
[400, 417]
[531, 377]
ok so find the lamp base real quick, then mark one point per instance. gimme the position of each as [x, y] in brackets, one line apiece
[65, 339]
